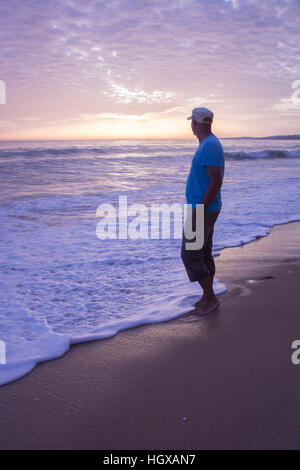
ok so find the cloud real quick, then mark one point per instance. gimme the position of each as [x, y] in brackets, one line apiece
[115, 116]
[7, 124]
[28, 119]
[287, 105]
[292, 103]
[120, 94]
[60, 58]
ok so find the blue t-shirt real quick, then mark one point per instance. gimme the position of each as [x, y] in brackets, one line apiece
[209, 153]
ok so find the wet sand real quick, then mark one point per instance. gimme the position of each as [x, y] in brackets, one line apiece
[223, 381]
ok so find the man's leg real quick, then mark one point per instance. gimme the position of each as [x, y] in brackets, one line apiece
[209, 300]
[204, 295]
[209, 304]
[199, 264]
[207, 287]
[193, 260]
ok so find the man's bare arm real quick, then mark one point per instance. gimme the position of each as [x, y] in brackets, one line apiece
[215, 175]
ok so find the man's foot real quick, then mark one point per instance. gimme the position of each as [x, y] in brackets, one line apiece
[200, 302]
[207, 307]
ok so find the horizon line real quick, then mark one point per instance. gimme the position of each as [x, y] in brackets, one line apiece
[130, 138]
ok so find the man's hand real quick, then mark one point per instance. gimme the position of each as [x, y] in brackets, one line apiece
[216, 179]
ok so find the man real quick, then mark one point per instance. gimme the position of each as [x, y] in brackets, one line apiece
[204, 187]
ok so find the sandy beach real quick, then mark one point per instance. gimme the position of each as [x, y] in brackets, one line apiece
[224, 381]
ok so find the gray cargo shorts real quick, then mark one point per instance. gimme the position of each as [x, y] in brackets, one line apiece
[200, 263]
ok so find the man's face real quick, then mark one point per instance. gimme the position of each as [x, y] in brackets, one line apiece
[193, 125]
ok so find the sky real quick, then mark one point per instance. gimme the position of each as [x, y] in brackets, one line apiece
[122, 69]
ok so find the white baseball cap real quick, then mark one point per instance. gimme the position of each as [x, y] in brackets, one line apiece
[202, 115]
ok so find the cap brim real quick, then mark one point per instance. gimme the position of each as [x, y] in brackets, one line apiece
[191, 117]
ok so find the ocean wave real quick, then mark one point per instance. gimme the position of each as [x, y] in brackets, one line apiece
[242, 155]
[87, 150]
[130, 150]
[25, 152]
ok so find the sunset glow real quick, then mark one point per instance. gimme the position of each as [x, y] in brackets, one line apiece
[135, 69]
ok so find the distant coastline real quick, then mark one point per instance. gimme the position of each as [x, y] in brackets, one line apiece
[273, 137]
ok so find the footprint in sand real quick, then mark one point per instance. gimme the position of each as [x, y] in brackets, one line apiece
[237, 289]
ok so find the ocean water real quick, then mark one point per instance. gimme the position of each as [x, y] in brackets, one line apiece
[61, 284]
